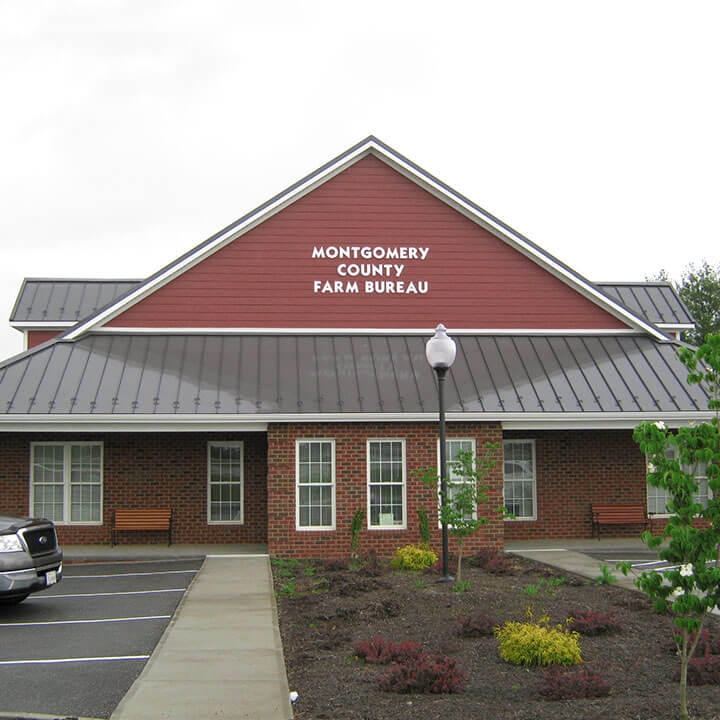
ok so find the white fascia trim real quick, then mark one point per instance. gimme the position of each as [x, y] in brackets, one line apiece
[351, 331]
[676, 326]
[38, 325]
[318, 179]
[259, 422]
[140, 423]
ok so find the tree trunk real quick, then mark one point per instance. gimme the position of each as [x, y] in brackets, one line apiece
[683, 676]
[459, 572]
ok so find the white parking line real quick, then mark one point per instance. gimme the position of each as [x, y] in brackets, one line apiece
[54, 661]
[141, 574]
[81, 622]
[133, 592]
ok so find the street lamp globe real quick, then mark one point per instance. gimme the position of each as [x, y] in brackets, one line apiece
[440, 349]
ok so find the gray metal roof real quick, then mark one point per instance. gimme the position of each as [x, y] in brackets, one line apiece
[290, 374]
[657, 302]
[65, 300]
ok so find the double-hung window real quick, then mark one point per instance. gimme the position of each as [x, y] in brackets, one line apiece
[519, 481]
[225, 483]
[658, 498]
[455, 481]
[315, 485]
[386, 484]
[66, 481]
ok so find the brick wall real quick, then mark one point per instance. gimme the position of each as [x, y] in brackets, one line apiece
[574, 469]
[148, 470]
[351, 486]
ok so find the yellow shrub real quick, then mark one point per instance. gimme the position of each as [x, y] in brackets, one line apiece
[535, 643]
[412, 557]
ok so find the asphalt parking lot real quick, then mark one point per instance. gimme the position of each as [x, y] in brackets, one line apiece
[75, 649]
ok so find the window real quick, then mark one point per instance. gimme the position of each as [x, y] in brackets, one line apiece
[66, 482]
[315, 485]
[519, 486]
[455, 481]
[658, 498]
[386, 483]
[225, 482]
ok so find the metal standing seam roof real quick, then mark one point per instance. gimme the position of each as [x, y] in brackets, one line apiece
[65, 300]
[122, 375]
[71, 300]
[657, 302]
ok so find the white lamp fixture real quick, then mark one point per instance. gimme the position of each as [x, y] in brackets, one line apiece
[440, 349]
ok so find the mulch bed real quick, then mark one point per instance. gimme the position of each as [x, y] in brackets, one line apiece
[323, 612]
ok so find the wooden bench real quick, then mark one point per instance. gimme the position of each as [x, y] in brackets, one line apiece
[618, 515]
[142, 519]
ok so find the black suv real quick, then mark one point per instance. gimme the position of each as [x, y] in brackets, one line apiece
[30, 559]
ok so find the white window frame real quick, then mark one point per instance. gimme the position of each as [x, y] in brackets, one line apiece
[448, 461]
[67, 484]
[403, 526]
[228, 443]
[314, 528]
[531, 441]
[664, 491]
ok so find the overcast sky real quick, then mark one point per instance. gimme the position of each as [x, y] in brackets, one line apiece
[132, 130]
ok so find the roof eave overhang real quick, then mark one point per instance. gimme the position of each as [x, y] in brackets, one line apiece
[322, 175]
[260, 422]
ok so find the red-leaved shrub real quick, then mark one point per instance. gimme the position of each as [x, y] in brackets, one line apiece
[708, 644]
[477, 625]
[381, 651]
[703, 670]
[423, 674]
[482, 557]
[592, 622]
[499, 565]
[335, 565]
[585, 683]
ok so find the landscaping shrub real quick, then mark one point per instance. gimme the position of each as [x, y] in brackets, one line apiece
[535, 643]
[499, 565]
[477, 625]
[709, 643]
[423, 674]
[335, 565]
[381, 651]
[585, 683]
[412, 557]
[482, 557]
[592, 622]
[703, 670]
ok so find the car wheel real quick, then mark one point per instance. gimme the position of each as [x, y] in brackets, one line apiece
[12, 600]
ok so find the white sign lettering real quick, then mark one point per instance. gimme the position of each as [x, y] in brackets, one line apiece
[371, 269]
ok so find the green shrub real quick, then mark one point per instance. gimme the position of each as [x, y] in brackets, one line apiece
[423, 528]
[536, 643]
[412, 557]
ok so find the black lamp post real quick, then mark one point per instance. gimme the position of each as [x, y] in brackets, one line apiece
[440, 353]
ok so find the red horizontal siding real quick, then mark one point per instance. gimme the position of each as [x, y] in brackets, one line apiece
[38, 337]
[265, 278]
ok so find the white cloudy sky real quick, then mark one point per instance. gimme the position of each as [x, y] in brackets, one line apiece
[133, 129]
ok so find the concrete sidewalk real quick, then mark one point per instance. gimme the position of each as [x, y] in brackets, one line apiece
[221, 655]
[571, 555]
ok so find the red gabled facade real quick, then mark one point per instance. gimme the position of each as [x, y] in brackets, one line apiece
[457, 270]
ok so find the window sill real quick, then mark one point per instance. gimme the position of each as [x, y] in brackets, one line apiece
[328, 528]
[79, 523]
[388, 527]
[226, 522]
[521, 519]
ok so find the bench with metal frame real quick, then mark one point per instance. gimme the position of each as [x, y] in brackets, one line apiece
[142, 519]
[606, 514]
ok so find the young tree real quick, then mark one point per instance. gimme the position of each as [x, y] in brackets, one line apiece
[699, 288]
[465, 493]
[692, 589]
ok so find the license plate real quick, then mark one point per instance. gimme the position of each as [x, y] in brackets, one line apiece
[50, 577]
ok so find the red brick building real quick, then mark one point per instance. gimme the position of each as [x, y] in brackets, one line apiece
[272, 381]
